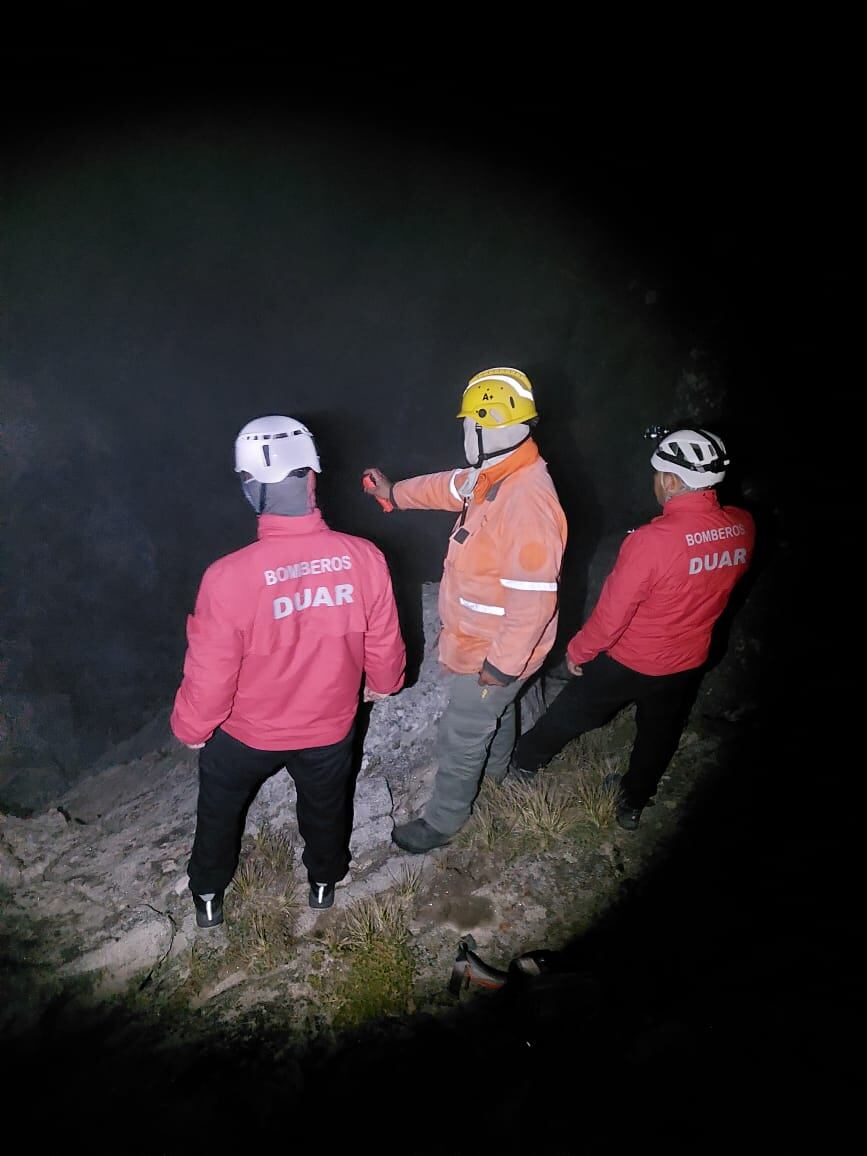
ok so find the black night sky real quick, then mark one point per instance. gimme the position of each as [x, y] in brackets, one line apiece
[187, 247]
[192, 251]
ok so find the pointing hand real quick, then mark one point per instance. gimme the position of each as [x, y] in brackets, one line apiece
[378, 485]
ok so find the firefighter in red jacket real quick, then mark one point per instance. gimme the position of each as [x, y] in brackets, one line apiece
[649, 634]
[283, 634]
[498, 598]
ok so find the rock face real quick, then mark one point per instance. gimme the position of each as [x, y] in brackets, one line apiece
[38, 749]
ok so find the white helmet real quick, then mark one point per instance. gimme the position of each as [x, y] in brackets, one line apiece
[270, 448]
[696, 456]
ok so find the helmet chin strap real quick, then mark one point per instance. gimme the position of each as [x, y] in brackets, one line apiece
[495, 454]
[501, 453]
[481, 454]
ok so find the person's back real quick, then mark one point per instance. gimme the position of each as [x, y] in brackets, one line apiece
[675, 576]
[304, 603]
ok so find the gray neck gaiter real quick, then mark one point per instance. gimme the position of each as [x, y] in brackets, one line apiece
[291, 498]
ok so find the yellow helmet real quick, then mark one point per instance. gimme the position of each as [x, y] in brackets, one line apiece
[498, 397]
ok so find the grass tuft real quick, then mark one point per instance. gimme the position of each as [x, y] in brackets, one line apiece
[407, 887]
[542, 811]
[260, 921]
[596, 799]
[376, 964]
[490, 823]
[507, 818]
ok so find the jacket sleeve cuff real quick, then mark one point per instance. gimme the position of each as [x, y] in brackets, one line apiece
[184, 736]
[498, 674]
[574, 653]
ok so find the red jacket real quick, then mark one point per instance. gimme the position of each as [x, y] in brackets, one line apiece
[498, 594]
[282, 632]
[669, 585]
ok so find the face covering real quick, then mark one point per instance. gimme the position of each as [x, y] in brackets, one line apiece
[499, 443]
[290, 498]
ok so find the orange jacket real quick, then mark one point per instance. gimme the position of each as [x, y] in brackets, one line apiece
[498, 594]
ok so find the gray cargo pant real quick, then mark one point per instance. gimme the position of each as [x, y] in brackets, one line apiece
[475, 737]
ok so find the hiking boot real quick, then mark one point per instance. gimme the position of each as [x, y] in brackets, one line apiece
[516, 774]
[209, 909]
[628, 817]
[418, 836]
[321, 896]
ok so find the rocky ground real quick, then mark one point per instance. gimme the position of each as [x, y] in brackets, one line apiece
[162, 1037]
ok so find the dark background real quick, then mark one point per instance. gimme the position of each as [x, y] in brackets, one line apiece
[190, 245]
[186, 247]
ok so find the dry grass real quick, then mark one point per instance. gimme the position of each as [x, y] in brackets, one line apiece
[541, 811]
[369, 920]
[485, 828]
[508, 818]
[375, 963]
[490, 822]
[569, 795]
[408, 885]
[592, 758]
[597, 800]
[261, 930]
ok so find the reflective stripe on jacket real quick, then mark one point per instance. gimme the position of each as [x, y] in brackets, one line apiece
[498, 594]
[282, 632]
[669, 585]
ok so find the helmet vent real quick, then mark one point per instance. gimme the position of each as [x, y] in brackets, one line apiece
[268, 448]
[696, 456]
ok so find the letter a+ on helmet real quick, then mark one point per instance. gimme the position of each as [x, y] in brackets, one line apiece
[498, 397]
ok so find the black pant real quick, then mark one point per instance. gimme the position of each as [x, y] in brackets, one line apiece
[663, 703]
[230, 775]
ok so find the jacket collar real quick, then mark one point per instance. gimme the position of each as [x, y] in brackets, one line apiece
[276, 525]
[523, 456]
[697, 500]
